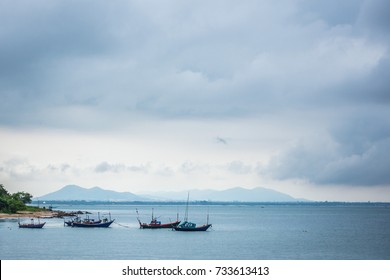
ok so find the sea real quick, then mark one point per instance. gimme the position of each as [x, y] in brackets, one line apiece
[263, 231]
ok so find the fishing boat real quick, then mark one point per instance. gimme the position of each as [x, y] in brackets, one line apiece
[154, 223]
[90, 223]
[189, 226]
[32, 224]
[85, 221]
[105, 223]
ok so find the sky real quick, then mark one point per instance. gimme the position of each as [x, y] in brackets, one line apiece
[150, 96]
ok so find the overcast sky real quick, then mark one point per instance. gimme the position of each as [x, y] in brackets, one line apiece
[147, 96]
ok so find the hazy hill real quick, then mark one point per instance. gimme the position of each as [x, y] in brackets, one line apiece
[73, 192]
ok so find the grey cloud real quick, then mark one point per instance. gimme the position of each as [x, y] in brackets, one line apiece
[118, 167]
[18, 168]
[107, 167]
[361, 130]
[374, 88]
[51, 53]
[91, 64]
[22, 169]
[38, 35]
[358, 154]
[62, 167]
[369, 168]
[191, 167]
[374, 18]
[139, 168]
[331, 12]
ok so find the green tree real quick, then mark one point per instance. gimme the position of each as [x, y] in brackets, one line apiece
[3, 191]
[23, 197]
[4, 195]
[15, 205]
[3, 204]
[11, 203]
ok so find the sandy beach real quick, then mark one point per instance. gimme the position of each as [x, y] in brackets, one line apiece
[39, 214]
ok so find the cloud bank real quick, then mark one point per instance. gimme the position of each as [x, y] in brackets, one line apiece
[310, 78]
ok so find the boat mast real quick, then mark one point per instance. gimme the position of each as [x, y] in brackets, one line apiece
[139, 221]
[186, 213]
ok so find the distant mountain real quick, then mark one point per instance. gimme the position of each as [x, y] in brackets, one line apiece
[234, 194]
[73, 192]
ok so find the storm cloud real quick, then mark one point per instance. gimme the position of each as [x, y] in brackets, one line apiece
[356, 154]
[181, 59]
[309, 76]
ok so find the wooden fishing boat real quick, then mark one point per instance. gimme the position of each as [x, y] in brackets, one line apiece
[157, 224]
[189, 226]
[103, 224]
[154, 223]
[32, 224]
[88, 223]
[78, 220]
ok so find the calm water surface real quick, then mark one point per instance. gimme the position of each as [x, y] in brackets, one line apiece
[275, 231]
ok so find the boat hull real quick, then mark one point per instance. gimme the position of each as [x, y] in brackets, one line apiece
[155, 226]
[32, 225]
[70, 223]
[201, 228]
[93, 225]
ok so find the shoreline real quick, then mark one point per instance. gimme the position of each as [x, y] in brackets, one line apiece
[39, 214]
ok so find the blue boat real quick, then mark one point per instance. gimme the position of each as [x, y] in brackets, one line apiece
[78, 220]
[189, 226]
[90, 223]
[103, 224]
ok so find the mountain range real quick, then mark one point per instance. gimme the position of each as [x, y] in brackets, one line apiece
[77, 193]
[73, 192]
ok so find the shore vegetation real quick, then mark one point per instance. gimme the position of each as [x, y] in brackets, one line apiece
[12, 203]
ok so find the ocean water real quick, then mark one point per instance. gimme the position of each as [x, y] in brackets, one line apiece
[239, 232]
